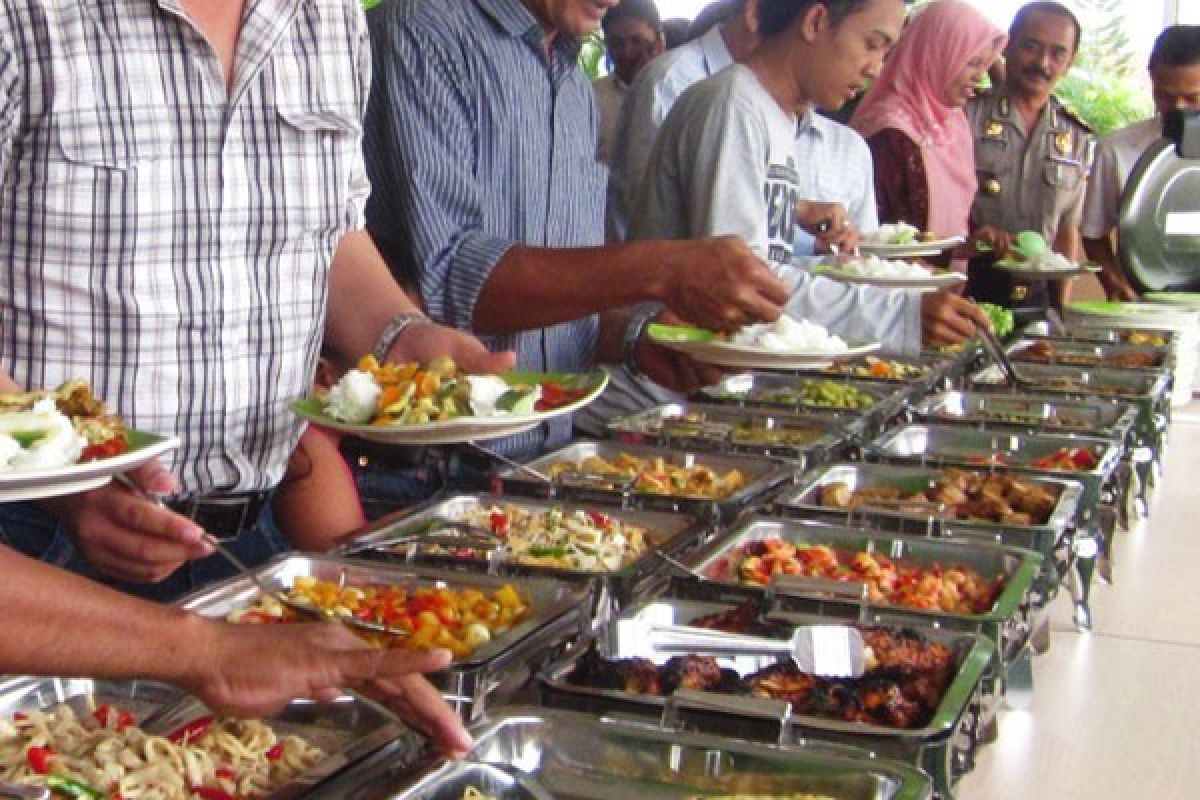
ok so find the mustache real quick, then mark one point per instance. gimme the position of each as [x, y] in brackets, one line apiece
[1036, 72]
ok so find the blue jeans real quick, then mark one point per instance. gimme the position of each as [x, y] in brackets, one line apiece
[385, 489]
[37, 534]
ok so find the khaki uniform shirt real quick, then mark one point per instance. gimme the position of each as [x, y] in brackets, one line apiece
[1028, 182]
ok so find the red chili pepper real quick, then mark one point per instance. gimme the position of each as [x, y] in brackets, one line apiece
[192, 730]
[212, 793]
[1083, 458]
[39, 759]
[20, 716]
[599, 518]
[276, 752]
[499, 522]
[106, 449]
[109, 716]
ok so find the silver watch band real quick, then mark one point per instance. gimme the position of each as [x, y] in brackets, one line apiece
[391, 332]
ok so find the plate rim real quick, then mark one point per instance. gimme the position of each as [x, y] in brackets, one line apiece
[938, 280]
[730, 355]
[912, 248]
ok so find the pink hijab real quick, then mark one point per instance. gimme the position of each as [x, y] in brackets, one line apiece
[936, 45]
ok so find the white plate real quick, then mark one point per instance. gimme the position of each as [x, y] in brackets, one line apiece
[725, 354]
[452, 431]
[17, 486]
[931, 248]
[936, 280]
[1045, 274]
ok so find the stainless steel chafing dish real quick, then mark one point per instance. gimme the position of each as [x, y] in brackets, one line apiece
[929, 368]
[1054, 539]
[1148, 390]
[496, 667]
[803, 438]
[782, 391]
[1153, 337]
[949, 445]
[944, 747]
[546, 753]
[400, 539]
[761, 475]
[1053, 414]
[1082, 353]
[348, 730]
[1007, 623]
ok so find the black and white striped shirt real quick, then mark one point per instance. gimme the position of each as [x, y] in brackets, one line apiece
[169, 240]
[476, 141]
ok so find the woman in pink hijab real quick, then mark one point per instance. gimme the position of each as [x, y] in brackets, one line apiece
[912, 118]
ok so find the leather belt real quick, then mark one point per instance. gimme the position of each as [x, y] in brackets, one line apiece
[224, 516]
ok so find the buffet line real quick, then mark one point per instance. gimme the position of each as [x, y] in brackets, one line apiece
[921, 501]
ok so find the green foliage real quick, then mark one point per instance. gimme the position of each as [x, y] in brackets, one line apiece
[1104, 100]
[591, 55]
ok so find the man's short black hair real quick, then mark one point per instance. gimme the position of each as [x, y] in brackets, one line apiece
[1177, 46]
[644, 10]
[1045, 7]
[713, 14]
[675, 31]
[774, 16]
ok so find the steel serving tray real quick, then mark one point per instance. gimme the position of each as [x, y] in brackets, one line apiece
[944, 747]
[761, 476]
[932, 368]
[543, 753]
[493, 668]
[1054, 539]
[349, 730]
[1148, 390]
[1116, 334]
[1083, 353]
[1052, 414]
[391, 539]
[803, 438]
[1006, 623]
[950, 445]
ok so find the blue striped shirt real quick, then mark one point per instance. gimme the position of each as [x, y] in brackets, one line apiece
[477, 141]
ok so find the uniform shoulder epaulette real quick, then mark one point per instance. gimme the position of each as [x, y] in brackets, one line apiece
[1073, 115]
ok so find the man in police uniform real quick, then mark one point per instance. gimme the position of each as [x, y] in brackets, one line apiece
[1031, 154]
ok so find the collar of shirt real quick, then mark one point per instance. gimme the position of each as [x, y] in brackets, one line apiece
[716, 54]
[810, 123]
[515, 18]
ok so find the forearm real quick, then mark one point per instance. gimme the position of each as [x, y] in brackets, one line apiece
[1101, 251]
[363, 297]
[534, 287]
[56, 623]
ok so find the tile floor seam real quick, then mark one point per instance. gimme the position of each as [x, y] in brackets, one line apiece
[1127, 638]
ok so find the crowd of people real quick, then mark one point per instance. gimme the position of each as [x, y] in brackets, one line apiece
[199, 200]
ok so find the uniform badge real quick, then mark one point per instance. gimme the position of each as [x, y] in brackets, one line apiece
[991, 187]
[1018, 292]
[994, 128]
[1062, 142]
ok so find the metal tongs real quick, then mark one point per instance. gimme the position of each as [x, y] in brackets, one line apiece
[995, 349]
[832, 651]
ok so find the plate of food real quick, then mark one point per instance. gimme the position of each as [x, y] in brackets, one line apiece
[439, 404]
[784, 344]
[873, 270]
[1030, 257]
[62, 441]
[900, 240]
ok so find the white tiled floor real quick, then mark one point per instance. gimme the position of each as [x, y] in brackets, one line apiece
[1116, 712]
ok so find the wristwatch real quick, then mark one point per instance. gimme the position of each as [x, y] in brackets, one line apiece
[391, 332]
[633, 334]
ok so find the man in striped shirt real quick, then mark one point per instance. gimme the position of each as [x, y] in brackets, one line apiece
[181, 194]
[480, 142]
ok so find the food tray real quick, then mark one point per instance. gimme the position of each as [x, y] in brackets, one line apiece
[932, 367]
[493, 668]
[1152, 337]
[1006, 624]
[756, 390]
[1054, 539]
[761, 475]
[669, 533]
[950, 445]
[539, 753]
[734, 430]
[348, 730]
[944, 747]
[1148, 390]
[1079, 353]
[1053, 414]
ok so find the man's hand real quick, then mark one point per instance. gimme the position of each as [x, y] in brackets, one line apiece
[424, 341]
[128, 536]
[252, 670]
[830, 224]
[719, 284]
[1117, 288]
[947, 318]
[670, 368]
[994, 240]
